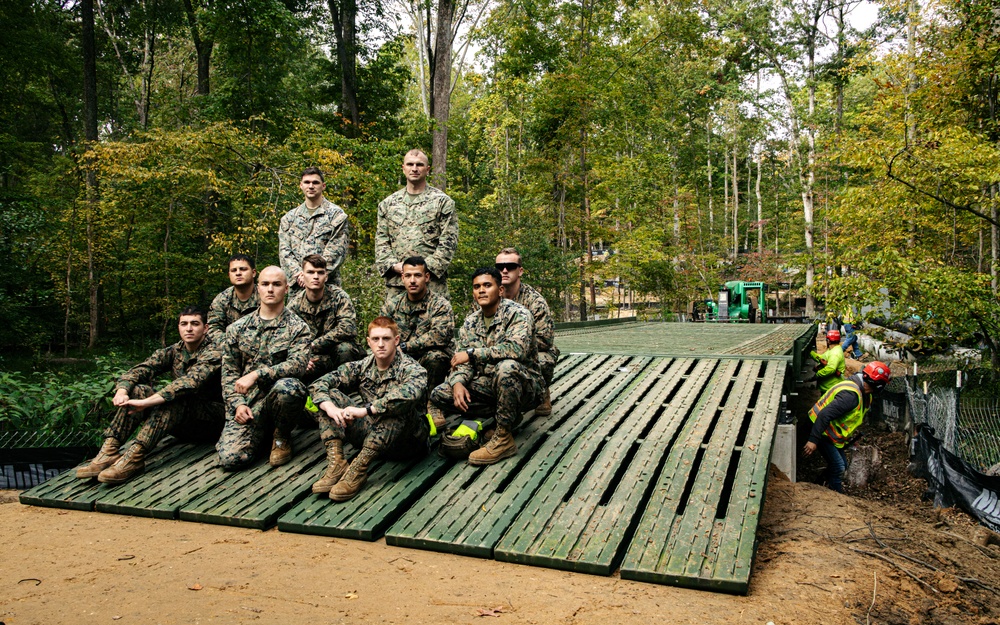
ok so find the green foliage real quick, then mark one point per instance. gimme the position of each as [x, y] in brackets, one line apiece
[55, 400]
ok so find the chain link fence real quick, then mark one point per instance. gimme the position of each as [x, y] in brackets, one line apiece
[963, 408]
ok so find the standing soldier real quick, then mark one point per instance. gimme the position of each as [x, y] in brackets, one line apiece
[237, 301]
[838, 413]
[495, 367]
[390, 420]
[509, 264]
[317, 226]
[190, 406]
[264, 355]
[426, 324]
[418, 220]
[329, 313]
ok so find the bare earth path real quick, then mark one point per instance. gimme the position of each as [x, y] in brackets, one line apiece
[82, 567]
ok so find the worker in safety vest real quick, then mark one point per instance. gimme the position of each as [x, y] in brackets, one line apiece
[838, 413]
[830, 365]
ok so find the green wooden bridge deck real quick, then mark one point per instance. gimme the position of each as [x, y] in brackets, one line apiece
[653, 463]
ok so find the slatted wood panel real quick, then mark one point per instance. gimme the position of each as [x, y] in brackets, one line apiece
[160, 492]
[699, 525]
[67, 491]
[257, 496]
[468, 510]
[579, 518]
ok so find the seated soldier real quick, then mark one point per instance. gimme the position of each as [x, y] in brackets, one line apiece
[494, 367]
[329, 313]
[390, 422]
[264, 356]
[426, 323]
[189, 407]
[508, 263]
[237, 301]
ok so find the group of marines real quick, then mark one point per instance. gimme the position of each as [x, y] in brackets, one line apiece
[280, 346]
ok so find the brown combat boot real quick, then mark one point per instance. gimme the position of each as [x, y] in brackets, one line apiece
[544, 409]
[500, 446]
[281, 449]
[132, 463]
[355, 476]
[108, 455]
[436, 414]
[336, 464]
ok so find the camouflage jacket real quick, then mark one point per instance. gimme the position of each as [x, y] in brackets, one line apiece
[227, 308]
[193, 373]
[332, 320]
[427, 227]
[324, 233]
[508, 337]
[427, 324]
[399, 391]
[274, 348]
[545, 328]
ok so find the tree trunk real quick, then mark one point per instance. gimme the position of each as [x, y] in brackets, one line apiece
[760, 209]
[441, 92]
[202, 46]
[708, 151]
[90, 130]
[736, 206]
[344, 14]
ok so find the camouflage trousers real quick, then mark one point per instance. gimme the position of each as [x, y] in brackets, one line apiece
[190, 419]
[547, 363]
[437, 362]
[511, 390]
[278, 409]
[347, 351]
[392, 437]
[394, 291]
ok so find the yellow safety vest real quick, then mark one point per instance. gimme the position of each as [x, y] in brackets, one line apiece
[840, 431]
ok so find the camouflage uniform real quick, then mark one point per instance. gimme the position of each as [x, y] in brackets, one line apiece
[193, 408]
[325, 232]
[427, 329]
[226, 309]
[503, 374]
[334, 326]
[545, 329]
[398, 397]
[427, 226]
[278, 349]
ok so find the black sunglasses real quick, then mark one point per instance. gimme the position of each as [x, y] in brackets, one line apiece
[507, 266]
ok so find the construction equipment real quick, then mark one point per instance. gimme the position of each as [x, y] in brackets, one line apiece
[740, 301]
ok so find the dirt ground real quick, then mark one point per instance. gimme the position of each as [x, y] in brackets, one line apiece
[921, 566]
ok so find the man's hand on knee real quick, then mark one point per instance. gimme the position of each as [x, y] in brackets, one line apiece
[244, 384]
[243, 414]
[120, 398]
[462, 396]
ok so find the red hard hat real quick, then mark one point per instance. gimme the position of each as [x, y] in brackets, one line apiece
[876, 374]
[833, 335]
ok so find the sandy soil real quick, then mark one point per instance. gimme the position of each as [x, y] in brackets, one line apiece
[82, 567]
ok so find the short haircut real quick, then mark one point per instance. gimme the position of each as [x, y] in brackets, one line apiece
[488, 271]
[312, 171]
[383, 322]
[511, 250]
[416, 151]
[416, 261]
[315, 260]
[193, 310]
[243, 257]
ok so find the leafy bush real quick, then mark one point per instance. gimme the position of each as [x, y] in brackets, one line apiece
[55, 400]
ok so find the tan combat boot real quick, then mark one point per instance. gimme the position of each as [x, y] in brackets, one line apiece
[108, 455]
[499, 447]
[436, 414]
[354, 478]
[335, 466]
[544, 409]
[281, 449]
[132, 463]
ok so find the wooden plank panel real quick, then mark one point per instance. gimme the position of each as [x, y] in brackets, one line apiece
[67, 491]
[568, 524]
[163, 488]
[468, 510]
[694, 548]
[391, 489]
[257, 496]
